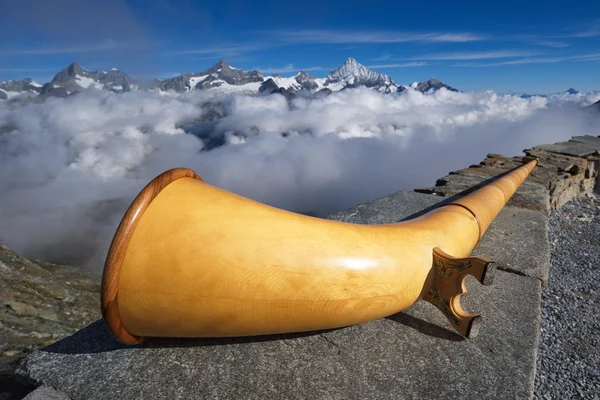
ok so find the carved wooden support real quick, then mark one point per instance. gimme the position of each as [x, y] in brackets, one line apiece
[448, 285]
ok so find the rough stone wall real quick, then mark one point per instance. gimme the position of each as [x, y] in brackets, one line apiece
[565, 170]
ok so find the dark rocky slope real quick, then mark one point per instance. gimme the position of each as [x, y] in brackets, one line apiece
[41, 303]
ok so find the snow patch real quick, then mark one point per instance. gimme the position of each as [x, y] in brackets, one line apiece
[11, 95]
[86, 82]
[286, 83]
[248, 88]
[334, 87]
[196, 80]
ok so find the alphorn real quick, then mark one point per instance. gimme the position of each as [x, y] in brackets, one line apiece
[192, 260]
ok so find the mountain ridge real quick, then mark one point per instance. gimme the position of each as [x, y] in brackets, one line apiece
[75, 78]
[351, 74]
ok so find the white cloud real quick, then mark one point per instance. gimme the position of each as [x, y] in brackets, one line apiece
[400, 65]
[70, 167]
[334, 36]
[222, 49]
[553, 43]
[26, 69]
[83, 48]
[483, 55]
[383, 57]
[535, 60]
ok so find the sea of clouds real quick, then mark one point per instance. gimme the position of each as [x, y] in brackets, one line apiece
[70, 167]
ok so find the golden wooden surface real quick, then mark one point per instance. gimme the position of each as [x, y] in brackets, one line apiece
[204, 262]
[118, 248]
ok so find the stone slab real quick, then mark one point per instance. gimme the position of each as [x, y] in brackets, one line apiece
[576, 149]
[410, 355]
[46, 393]
[389, 209]
[413, 354]
[530, 195]
[517, 241]
[593, 141]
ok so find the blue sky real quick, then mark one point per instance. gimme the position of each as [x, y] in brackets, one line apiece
[509, 46]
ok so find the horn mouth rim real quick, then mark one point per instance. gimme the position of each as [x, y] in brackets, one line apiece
[118, 248]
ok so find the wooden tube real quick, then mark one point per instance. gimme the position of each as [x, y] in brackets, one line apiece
[192, 260]
[487, 202]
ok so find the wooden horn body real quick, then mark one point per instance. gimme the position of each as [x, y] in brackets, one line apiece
[192, 260]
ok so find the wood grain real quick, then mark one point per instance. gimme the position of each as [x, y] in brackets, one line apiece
[118, 248]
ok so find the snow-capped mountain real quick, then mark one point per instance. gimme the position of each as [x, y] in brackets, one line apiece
[306, 81]
[352, 74]
[432, 84]
[570, 95]
[349, 75]
[568, 92]
[219, 75]
[303, 81]
[75, 78]
[12, 89]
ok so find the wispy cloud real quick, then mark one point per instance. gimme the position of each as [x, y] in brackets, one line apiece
[553, 43]
[546, 60]
[383, 57]
[292, 68]
[592, 30]
[334, 37]
[69, 49]
[485, 55]
[404, 65]
[220, 49]
[27, 69]
[535, 60]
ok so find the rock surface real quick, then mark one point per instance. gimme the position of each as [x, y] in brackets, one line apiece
[557, 179]
[571, 148]
[46, 393]
[41, 303]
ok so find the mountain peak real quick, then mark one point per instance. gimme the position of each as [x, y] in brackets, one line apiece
[304, 75]
[571, 91]
[352, 74]
[74, 68]
[221, 64]
[433, 84]
[70, 72]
